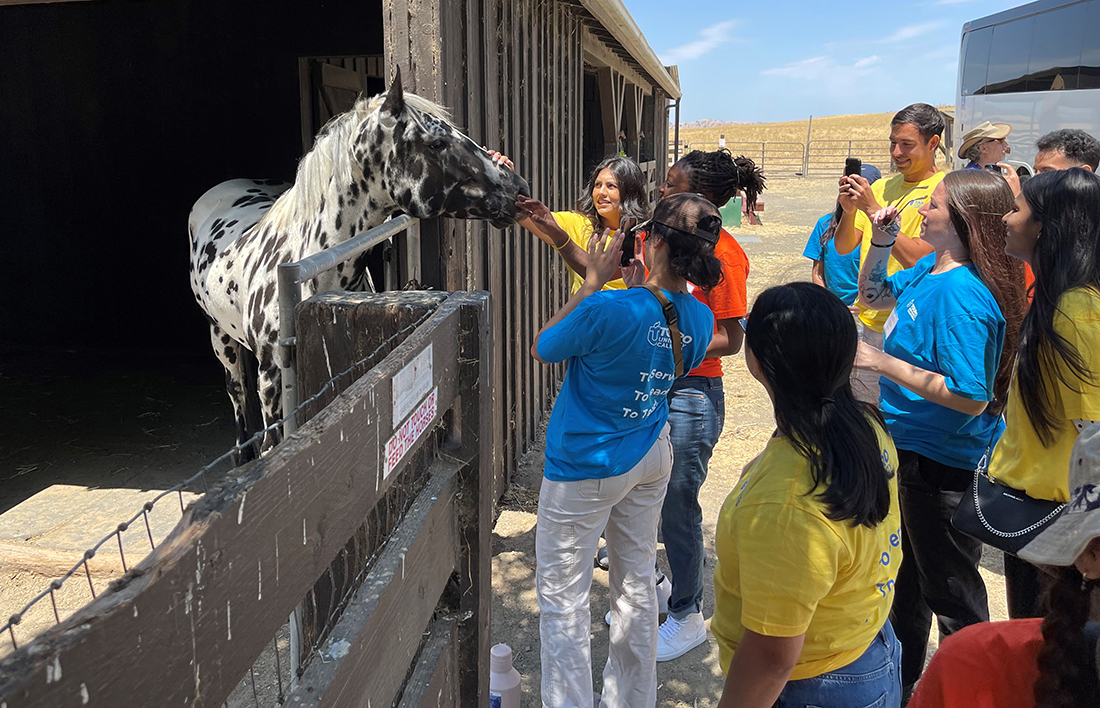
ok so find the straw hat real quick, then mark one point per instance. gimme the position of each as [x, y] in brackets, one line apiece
[983, 131]
[1064, 539]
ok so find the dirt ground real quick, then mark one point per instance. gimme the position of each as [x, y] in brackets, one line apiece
[695, 679]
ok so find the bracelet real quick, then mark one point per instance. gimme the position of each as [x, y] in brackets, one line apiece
[884, 245]
[558, 248]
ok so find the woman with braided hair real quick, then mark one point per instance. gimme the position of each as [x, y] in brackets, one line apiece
[1036, 663]
[697, 401]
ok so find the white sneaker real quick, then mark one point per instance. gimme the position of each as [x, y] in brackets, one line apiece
[677, 637]
[664, 592]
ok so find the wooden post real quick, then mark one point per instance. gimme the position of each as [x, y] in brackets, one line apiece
[633, 113]
[474, 501]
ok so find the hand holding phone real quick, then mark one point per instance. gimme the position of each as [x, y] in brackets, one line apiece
[628, 225]
[853, 166]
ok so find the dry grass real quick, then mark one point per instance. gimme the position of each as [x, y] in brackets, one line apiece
[869, 126]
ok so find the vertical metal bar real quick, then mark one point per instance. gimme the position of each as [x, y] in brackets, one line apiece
[676, 135]
[54, 584]
[121, 553]
[290, 296]
[413, 236]
[295, 644]
[389, 265]
[88, 571]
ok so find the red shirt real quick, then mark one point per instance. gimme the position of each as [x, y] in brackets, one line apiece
[986, 665]
[728, 299]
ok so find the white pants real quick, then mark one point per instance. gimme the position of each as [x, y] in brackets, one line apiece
[627, 508]
[865, 384]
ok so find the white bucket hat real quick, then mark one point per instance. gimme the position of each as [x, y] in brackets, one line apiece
[1067, 537]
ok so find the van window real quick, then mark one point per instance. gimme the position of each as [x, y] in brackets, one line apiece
[1008, 57]
[1056, 48]
[975, 60]
[1089, 75]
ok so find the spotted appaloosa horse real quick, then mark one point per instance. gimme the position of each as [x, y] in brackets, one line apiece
[393, 152]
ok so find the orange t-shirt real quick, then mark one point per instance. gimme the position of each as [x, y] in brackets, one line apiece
[986, 665]
[726, 300]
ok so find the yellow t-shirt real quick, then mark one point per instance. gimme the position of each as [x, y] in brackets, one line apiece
[1020, 460]
[579, 228]
[785, 568]
[888, 192]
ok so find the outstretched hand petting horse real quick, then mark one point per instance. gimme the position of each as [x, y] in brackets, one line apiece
[394, 152]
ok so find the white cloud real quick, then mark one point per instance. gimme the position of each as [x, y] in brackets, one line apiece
[948, 51]
[911, 31]
[818, 68]
[829, 75]
[710, 38]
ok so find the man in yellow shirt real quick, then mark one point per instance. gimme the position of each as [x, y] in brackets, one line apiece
[915, 133]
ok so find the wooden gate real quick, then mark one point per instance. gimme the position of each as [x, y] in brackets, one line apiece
[187, 623]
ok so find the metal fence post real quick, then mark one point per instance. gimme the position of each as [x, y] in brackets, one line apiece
[413, 236]
[290, 296]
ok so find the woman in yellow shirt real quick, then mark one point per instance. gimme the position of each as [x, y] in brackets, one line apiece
[809, 543]
[616, 189]
[1055, 392]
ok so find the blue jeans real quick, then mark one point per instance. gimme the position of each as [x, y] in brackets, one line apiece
[696, 413]
[871, 681]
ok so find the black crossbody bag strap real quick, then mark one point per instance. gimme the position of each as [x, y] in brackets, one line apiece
[673, 328]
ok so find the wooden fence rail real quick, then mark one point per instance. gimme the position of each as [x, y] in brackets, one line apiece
[188, 622]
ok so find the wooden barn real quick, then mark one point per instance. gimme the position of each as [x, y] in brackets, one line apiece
[118, 114]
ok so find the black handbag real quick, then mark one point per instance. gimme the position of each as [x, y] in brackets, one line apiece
[999, 515]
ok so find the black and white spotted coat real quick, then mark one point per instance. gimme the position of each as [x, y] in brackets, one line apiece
[395, 152]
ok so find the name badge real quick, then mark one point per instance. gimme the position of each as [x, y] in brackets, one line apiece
[891, 322]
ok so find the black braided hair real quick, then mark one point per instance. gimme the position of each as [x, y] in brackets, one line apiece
[719, 175]
[1067, 666]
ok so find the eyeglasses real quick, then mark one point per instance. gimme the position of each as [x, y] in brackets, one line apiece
[744, 322]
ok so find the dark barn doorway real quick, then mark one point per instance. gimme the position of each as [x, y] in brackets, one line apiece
[118, 115]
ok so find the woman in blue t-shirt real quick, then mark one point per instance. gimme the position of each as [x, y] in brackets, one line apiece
[945, 369]
[608, 454]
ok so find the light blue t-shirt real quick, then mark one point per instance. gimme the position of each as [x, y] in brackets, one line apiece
[614, 400]
[841, 271]
[951, 324]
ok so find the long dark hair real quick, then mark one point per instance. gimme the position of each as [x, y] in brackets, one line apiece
[632, 197]
[804, 339]
[1067, 255]
[691, 257]
[1067, 667]
[718, 175]
[976, 202]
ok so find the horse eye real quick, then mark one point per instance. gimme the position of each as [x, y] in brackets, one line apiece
[439, 145]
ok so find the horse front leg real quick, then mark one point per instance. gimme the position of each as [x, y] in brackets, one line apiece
[270, 380]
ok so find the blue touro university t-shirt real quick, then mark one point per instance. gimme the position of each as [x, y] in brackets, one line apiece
[614, 400]
[948, 323]
[841, 272]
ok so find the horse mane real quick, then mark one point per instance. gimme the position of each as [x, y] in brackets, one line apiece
[331, 158]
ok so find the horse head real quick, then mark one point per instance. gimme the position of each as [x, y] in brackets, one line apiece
[430, 168]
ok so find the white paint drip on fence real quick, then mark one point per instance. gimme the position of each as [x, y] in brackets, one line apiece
[84, 697]
[259, 581]
[324, 345]
[228, 621]
[240, 509]
[53, 671]
[276, 560]
[303, 530]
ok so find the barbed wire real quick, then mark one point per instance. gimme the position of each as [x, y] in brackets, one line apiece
[200, 476]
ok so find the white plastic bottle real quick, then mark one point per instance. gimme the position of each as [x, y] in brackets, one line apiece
[503, 679]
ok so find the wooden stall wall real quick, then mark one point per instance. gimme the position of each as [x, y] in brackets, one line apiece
[511, 71]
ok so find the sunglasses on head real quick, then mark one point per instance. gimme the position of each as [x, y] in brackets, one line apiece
[744, 322]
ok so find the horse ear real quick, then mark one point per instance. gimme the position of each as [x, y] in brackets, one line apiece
[395, 97]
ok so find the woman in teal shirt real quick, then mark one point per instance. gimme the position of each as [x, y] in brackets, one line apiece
[945, 369]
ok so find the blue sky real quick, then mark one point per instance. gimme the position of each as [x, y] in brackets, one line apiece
[777, 60]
